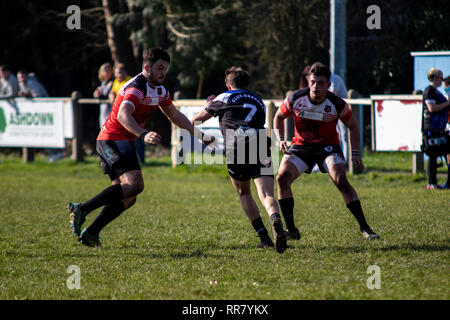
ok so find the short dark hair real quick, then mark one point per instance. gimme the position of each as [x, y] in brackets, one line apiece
[5, 67]
[319, 69]
[22, 71]
[447, 81]
[154, 54]
[434, 73]
[237, 77]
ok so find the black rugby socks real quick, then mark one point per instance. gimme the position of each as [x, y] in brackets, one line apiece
[260, 229]
[287, 209]
[109, 213]
[355, 208]
[109, 195]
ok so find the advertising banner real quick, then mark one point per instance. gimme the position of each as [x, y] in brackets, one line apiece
[398, 125]
[30, 123]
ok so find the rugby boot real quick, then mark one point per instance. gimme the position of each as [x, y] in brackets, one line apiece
[369, 234]
[266, 243]
[76, 216]
[279, 235]
[89, 240]
[293, 234]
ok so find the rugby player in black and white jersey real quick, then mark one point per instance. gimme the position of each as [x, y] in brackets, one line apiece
[242, 115]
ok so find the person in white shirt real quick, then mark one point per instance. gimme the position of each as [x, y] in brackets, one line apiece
[8, 83]
[29, 86]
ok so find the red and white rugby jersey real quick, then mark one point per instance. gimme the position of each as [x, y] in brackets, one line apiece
[145, 99]
[315, 123]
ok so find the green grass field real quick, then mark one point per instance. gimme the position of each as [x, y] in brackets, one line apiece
[187, 237]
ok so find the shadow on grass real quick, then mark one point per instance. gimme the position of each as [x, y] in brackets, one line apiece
[385, 170]
[156, 164]
[199, 253]
[359, 249]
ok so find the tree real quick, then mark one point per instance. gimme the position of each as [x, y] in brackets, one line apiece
[117, 21]
[380, 60]
[202, 36]
[281, 38]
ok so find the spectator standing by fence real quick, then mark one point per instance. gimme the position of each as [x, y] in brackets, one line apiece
[9, 87]
[339, 88]
[304, 78]
[447, 92]
[121, 77]
[436, 140]
[29, 86]
[105, 75]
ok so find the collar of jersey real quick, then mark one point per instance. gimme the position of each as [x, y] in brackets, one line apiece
[236, 91]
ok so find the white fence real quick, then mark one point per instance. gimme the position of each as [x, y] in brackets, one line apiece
[47, 122]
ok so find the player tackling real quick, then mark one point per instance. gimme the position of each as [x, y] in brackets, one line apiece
[137, 100]
[316, 112]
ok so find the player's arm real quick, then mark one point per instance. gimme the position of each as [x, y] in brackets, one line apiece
[180, 120]
[204, 115]
[201, 117]
[124, 116]
[436, 107]
[352, 125]
[278, 126]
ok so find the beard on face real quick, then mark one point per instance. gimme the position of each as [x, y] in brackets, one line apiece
[155, 81]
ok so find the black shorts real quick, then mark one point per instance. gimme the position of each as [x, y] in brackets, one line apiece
[251, 168]
[117, 157]
[244, 172]
[317, 154]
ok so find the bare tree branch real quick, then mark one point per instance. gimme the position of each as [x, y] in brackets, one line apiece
[177, 33]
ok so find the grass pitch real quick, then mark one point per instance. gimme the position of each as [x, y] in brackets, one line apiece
[188, 238]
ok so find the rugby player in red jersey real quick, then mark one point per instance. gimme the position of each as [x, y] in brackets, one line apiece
[137, 100]
[316, 112]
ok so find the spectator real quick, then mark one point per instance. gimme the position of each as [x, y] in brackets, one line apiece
[436, 140]
[304, 78]
[29, 86]
[339, 88]
[105, 75]
[447, 92]
[121, 77]
[447, 86]
[9, 86]
[417, 92]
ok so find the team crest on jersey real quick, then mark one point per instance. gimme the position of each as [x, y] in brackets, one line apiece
[159, 91]
[327, 109]
[267, 163]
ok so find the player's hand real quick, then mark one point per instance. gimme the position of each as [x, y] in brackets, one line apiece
[152, 138]
[284, 147]
[210, 99]
[357, 161]
[209, 141]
